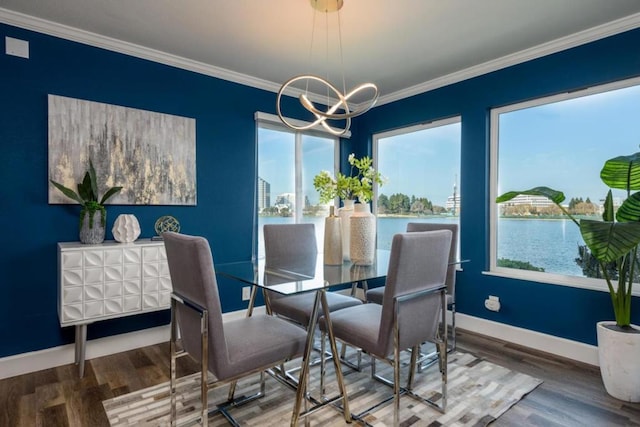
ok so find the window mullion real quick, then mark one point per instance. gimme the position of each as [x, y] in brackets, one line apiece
[299, 197]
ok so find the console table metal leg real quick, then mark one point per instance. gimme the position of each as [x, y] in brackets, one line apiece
[81, 344]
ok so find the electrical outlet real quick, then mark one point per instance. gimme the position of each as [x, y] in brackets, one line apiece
[246, 293]
[492, 303]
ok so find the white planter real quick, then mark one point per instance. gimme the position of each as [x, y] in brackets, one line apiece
[345, 213]
[126, 228]
[619, 355]
[332, 240]
[363, 235]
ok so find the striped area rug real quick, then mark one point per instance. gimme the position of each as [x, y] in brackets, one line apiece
[478, 393]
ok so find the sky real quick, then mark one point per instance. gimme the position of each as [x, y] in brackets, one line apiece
[562, 145]
[402, 161]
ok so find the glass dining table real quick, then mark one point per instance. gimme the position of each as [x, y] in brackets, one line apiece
[308, 276]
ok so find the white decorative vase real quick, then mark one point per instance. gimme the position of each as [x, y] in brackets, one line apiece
[91, 227]
[345, 213]
[363, 235]
[619, 353]
[126, 228]
[332, 239]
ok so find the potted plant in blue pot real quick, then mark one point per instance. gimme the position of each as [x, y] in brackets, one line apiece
[613, 243]
[93, 215]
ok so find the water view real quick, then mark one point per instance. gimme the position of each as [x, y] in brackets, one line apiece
[525, 240]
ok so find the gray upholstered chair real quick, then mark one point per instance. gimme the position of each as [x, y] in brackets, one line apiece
[229, 350]
[375, 295]
[293, 247]
[412, 308]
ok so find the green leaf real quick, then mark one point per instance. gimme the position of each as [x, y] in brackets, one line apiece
[68, 192]
[629, 211]
[93, 181]
[112, 191]
[609, 241]
[556, 197]
[607, 214]
[622, 172]
[84, 188]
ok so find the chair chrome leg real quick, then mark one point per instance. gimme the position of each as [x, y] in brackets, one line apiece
[172, 352]
[412, 366]
[204, 368]
[396, 386]
[323, 361]
[453, 328]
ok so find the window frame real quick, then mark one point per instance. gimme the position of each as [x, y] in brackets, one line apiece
[412, 129]
[534, 276]
[273, 122]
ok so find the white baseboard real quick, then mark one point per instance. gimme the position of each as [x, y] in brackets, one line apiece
[57, 356]
[63, 355]
[525, 337]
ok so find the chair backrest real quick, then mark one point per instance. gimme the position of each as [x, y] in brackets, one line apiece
[291, 247]
[418, 261]
[453, 252]
[193, 277]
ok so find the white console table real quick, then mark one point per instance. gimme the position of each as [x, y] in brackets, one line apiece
[109, 280]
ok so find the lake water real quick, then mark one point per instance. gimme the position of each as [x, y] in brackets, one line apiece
[518, 239]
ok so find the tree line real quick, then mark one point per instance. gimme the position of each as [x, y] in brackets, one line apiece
[402, 204]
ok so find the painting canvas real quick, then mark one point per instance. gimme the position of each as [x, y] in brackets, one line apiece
[151, 155]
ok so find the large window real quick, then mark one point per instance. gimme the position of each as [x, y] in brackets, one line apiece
[560, 142]
[421, 165]
[287, 163]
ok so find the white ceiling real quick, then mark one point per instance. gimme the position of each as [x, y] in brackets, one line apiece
[404, 46]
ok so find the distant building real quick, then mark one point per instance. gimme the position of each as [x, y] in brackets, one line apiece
[286, 200]
[453, 202]
[533, 201]
[264, 194]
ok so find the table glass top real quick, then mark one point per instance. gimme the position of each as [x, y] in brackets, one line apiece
[306, 275]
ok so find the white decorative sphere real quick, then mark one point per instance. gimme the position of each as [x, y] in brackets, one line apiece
[126, 228]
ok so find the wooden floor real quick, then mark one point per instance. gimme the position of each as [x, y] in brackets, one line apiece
[572, 394]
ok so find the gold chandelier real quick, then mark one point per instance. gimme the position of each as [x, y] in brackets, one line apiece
[340, 109]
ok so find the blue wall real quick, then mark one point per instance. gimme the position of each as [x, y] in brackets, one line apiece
[225, 153]
[557, 310]
[225, 150]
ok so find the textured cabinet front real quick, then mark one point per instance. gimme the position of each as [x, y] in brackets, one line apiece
[111, 280]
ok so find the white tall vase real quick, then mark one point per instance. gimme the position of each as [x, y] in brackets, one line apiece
[363, 235]
[345, 213]
[332, 239]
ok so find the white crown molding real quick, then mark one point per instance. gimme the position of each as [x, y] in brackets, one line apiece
[69, 33]
[592, 34]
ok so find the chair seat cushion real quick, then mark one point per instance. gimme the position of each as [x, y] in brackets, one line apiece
[298, 307]
[359, 325]
[376, 295]
[259, 342]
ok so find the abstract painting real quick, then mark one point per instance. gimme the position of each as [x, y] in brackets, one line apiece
[151, 155]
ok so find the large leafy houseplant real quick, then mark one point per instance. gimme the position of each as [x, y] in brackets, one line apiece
[359, 183]
[87, 196]
[614, 240]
